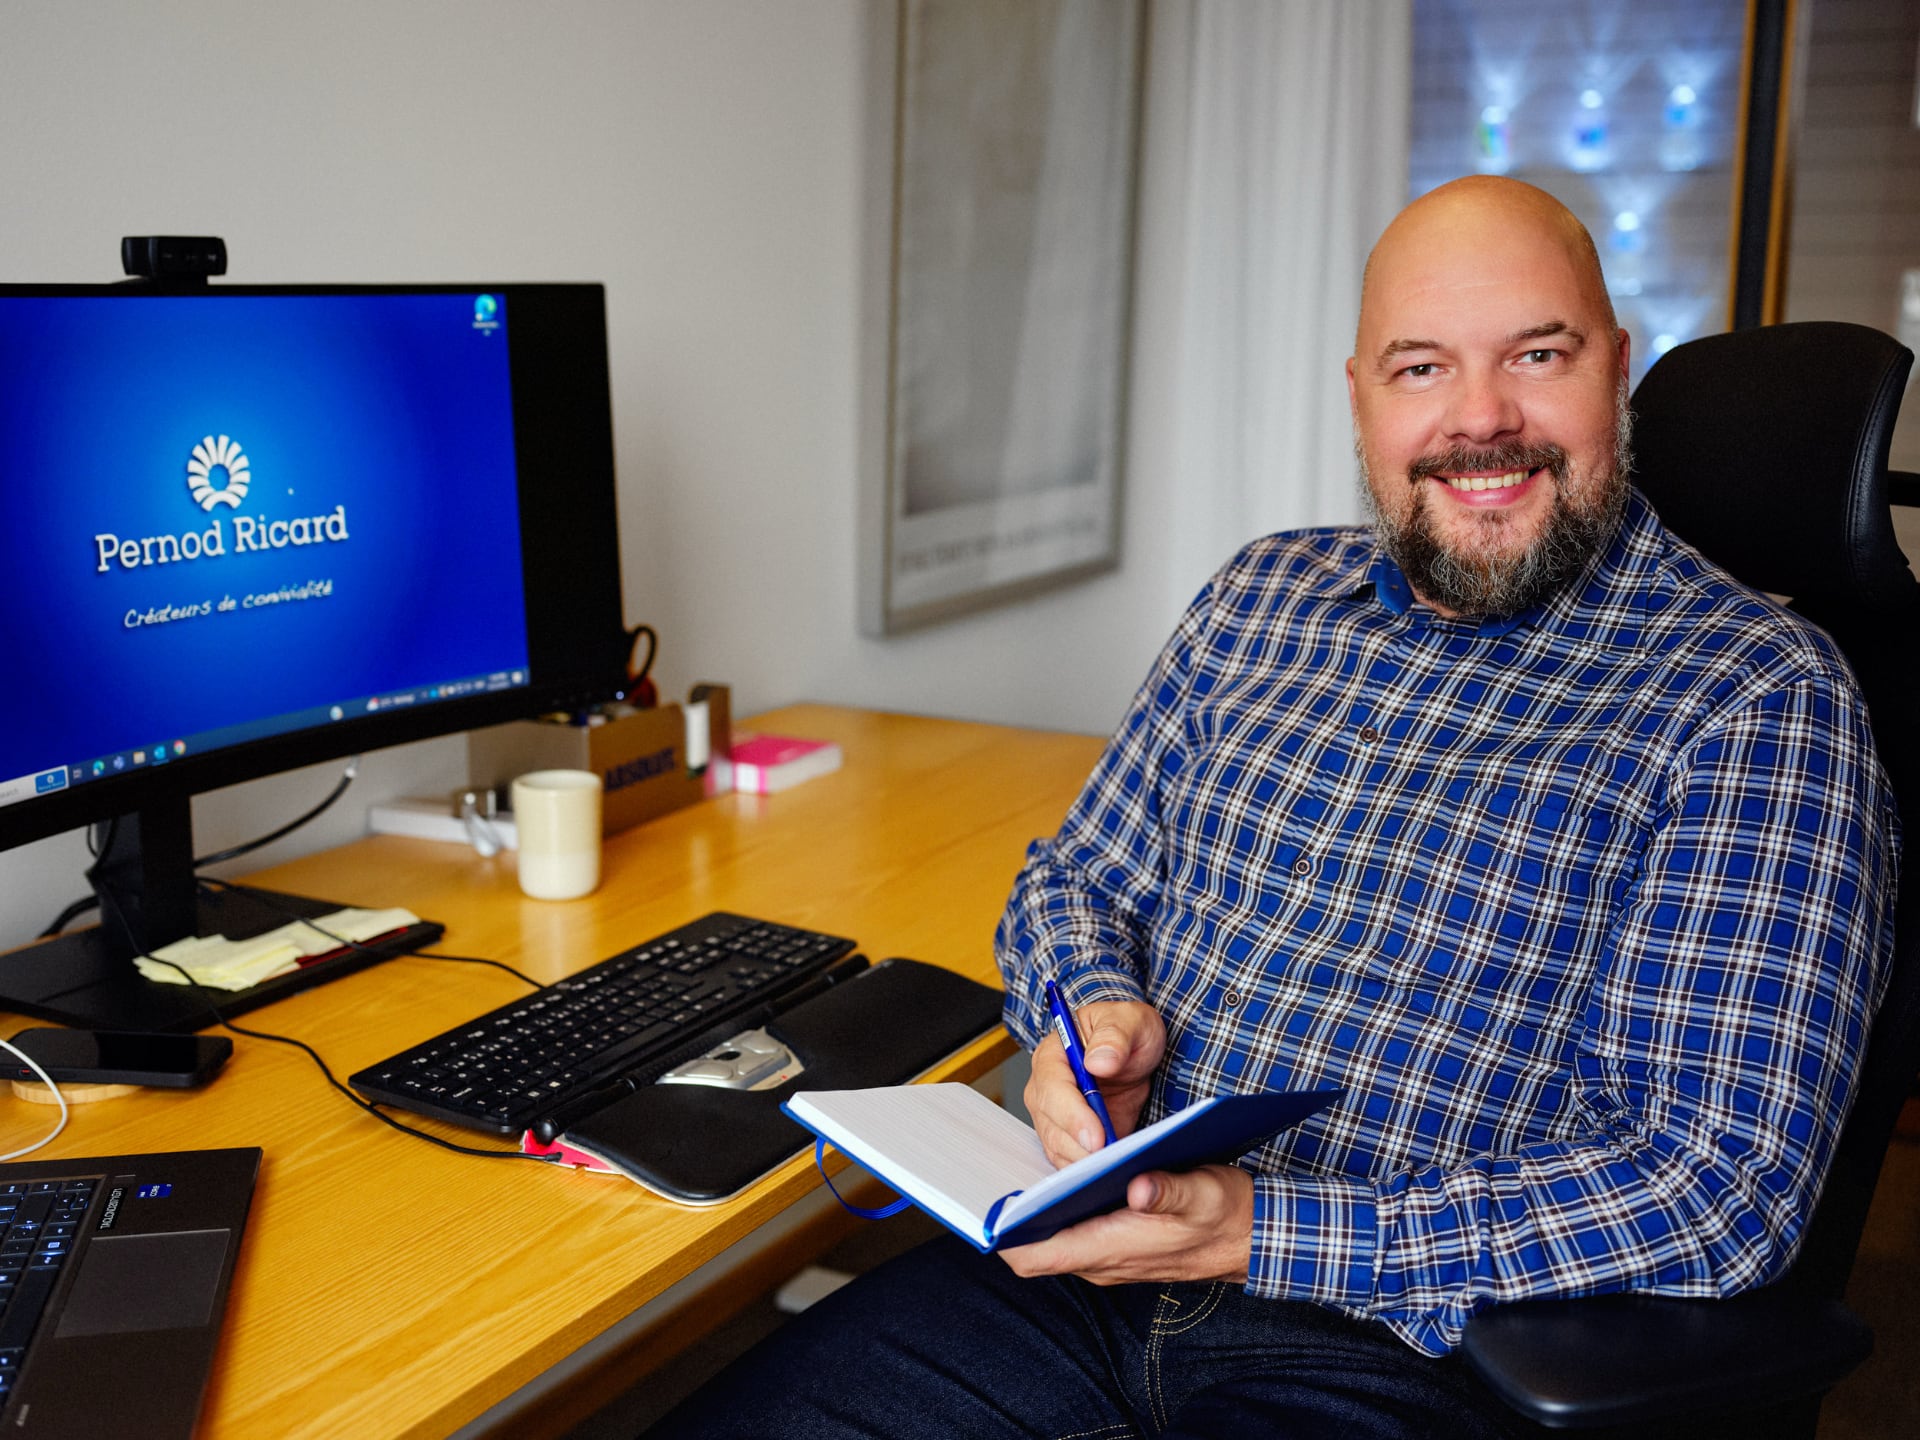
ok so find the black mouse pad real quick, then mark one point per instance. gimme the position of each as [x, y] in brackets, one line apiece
[702, 1144]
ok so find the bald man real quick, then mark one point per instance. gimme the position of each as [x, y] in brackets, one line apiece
[1564, 854]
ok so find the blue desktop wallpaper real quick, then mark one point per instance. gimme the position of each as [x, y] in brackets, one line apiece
[387, 416]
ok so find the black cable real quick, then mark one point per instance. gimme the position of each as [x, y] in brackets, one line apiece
[346, 779]
[482, 960]
[67, 916]
[99, 851]
[371, 1107]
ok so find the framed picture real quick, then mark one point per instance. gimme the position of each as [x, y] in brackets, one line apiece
[1001, 181]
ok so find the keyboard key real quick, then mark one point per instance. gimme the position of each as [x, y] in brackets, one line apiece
[23, 1311]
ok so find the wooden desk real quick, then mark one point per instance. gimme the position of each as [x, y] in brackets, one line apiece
[386, 1288]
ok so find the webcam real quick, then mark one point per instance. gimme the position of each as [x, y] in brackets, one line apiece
[173, 259]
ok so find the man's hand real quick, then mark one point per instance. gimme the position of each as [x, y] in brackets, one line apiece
[1193, 1226]
[1124, 1040]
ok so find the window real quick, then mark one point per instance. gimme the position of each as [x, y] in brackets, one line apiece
[1627, 110]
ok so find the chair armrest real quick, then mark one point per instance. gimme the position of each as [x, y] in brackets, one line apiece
[1903, 488]
[1627, 1359]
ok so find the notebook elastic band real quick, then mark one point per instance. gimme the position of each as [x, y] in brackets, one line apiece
[820, 1159]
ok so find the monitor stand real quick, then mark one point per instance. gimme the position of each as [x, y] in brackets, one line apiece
[149, 897]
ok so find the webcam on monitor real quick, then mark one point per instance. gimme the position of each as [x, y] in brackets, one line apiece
[177, 258]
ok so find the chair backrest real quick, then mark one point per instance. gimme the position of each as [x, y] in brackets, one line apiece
[1767, 449]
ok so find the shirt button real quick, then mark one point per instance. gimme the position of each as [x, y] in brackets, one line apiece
[1231, 999]
[1369, 734]
[1303, 867]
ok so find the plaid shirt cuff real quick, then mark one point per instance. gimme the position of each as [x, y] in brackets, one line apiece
[1084, 983]
[1315, 1238]
[1081, 983]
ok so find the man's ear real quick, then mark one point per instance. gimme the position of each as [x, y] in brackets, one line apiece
[1353, 399]
[1624, 342]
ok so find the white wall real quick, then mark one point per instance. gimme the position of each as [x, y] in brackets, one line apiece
[700, 157]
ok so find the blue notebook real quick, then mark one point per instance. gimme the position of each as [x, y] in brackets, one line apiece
[983, 1174]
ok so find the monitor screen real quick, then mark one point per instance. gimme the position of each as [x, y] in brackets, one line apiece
[238, 518]
[247, 528]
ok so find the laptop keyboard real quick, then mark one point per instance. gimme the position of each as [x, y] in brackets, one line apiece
[42, 1219]
[506, 1069]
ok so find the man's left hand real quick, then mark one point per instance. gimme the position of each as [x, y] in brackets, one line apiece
[1192, 1226]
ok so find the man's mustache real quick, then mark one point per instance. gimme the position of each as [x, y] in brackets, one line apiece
[1494, 459]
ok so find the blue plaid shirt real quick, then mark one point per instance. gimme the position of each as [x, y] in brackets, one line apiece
[1588, 910]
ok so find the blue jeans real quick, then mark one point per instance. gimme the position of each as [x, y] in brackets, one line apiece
[946, 1342]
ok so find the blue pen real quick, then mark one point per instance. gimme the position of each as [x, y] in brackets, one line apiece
[1077, 1058]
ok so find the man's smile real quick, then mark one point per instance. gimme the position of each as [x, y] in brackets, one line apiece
[1485, 488]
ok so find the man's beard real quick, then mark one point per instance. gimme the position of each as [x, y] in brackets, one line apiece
[1482, 578]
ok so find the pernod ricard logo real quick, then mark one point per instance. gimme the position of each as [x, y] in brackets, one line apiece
[219, 461]
[219, 473]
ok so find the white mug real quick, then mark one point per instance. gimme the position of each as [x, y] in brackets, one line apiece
[557, 815]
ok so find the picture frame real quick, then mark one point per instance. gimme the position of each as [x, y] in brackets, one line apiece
[1001, 182]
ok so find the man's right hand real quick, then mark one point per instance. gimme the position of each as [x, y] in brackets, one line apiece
[1124, 1040]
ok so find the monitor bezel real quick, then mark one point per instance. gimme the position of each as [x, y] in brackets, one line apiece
[569, 540]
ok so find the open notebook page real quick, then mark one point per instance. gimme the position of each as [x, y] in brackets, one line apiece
[951, 1148]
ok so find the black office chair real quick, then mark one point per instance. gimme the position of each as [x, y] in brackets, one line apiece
[1767, 449]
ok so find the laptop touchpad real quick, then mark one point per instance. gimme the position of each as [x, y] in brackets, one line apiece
[145, 1282]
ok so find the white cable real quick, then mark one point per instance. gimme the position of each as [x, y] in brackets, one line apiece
[47, 1080]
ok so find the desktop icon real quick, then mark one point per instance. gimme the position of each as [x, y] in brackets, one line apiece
[374, 703]
[160, 753]
[486, 310]
[179, 747]
[336, 713]
[139, 757]
[99, 767]
[119, 762]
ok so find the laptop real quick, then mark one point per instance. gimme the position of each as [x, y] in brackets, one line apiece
[113, 1279]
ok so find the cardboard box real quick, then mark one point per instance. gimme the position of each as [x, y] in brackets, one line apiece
[641, 758]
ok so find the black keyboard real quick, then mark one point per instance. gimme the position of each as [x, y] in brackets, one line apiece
[42, 1219]
[640, 1010]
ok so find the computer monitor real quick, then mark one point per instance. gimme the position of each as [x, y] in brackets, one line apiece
[249, 528]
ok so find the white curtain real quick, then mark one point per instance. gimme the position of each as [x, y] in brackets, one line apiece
[1292, 159]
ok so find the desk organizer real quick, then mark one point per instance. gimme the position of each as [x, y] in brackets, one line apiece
[651, 761]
